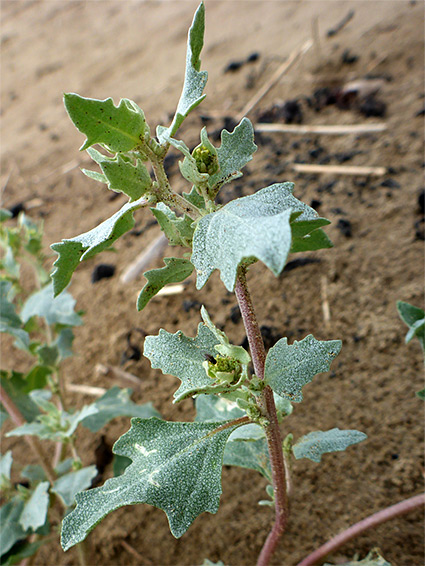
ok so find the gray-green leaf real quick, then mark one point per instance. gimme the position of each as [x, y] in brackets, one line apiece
[179, 230]
[116, 403]
[178, 355]
[87, 245]
[414, 317]
[317, 443]
[120, 128]
[175, 271]
[251, 454]
[257, 226]
[121, 175]
[55, 310]
[69, 485]
[175, 467]
[194, 80]
[10, 322]
[35, 511]
[10, 529]
[5, 465]
[234, 153]
[289, 367]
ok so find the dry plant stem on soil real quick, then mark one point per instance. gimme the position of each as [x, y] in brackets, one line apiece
[274, 439]
[355, 530]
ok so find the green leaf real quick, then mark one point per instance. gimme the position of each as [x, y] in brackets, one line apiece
[5, 214]
[421, 394]
[289, 367]
[34, 514]
[87, 245]
[178, 355]
[307, 235]
[235, 152]
[179, 231]
[59, 310]
[64, 343]
[5, 465]
[69, 485]
[414, 317]
[175, 271]
[213, 408]
[48, 355]
[257, 226]
[10, 529]
[22, 550]
[374, 558]
[251, 454]
[121, 175]
[10, 322]
[17, 388]
[175, 467]
[315, 444]
[120, 464]
[116, 403]
[34, 473]
[194, 80]
[119, 128]
[37, 377]
[207, 562]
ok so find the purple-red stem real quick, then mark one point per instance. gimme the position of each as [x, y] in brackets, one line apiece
[267, 405]
[355, 530]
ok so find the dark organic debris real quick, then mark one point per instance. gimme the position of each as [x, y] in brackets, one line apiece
[289, 112]
[420, 112]
[349, 58]
[344, 226]
[188, 305]
[235, 65]
[102, 271]
[391, 184]
[333, 31]
[316, 204]
[133, 352]
[421, 199]
[371, 106]
[420, 229]
[16, 209]
[103, 456]
[269, 334]
[235, 314]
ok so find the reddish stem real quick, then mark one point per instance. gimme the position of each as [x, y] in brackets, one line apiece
[267, 405]
[355, 530]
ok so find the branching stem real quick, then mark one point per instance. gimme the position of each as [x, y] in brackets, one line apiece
[267, 405]
[374, 520]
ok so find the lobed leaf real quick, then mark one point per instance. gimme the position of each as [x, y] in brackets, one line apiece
[34, 514]
[116, 403]
[289, 367]
[68, 485]
[179, 231]
[194, 80]
[235, 152]
[55, 310]
[175, 271]
[414, 317]
[178, 355]
[315, 444]
[119, 128]
[257, 226]
[175, 467]
[10, 322]
[121, 175]
[72, 251]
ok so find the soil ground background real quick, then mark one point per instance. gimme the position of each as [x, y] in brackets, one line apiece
[136, 50]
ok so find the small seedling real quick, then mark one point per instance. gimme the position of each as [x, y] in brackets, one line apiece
[241, 397]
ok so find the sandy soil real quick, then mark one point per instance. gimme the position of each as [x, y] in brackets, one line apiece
[136, 50]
